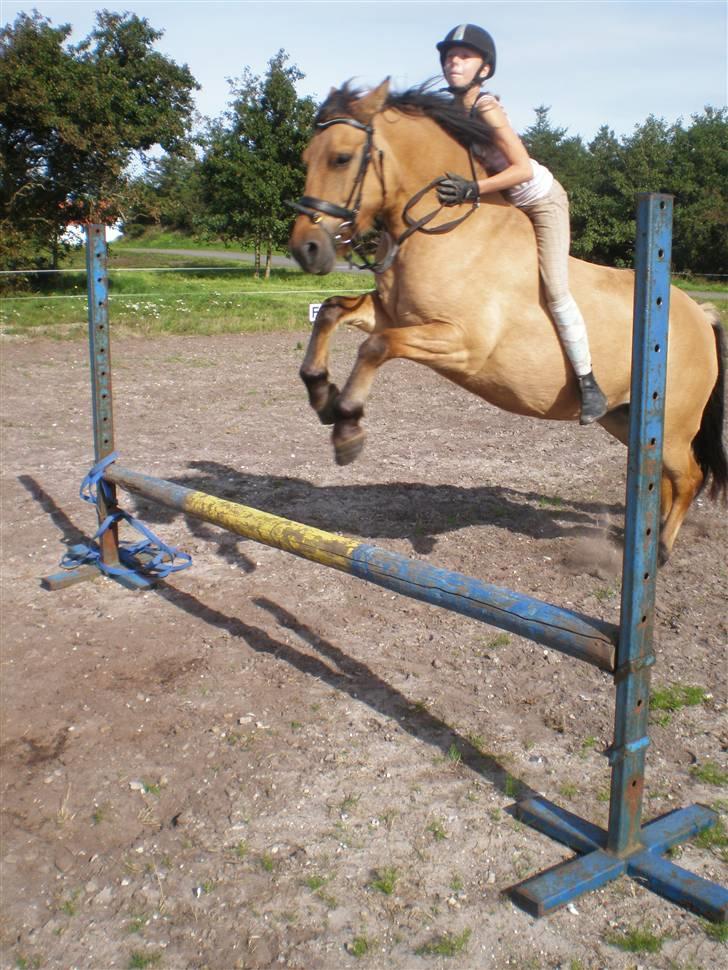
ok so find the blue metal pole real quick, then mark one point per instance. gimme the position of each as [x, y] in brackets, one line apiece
[100, 357]
[642, 519]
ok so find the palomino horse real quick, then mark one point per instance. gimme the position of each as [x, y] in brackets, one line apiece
[467, 302]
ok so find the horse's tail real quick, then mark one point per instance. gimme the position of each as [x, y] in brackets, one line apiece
[708, 442]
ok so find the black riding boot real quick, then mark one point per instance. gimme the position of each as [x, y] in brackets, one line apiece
[593, 402]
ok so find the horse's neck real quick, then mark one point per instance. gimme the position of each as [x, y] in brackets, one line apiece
[416, 152]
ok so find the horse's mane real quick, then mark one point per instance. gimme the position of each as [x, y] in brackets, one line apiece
[440, 106]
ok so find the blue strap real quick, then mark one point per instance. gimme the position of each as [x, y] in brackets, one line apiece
[162, 559]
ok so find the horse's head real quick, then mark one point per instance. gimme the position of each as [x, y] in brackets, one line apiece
[342, 193]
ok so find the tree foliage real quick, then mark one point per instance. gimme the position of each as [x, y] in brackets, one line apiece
[604, 177]
[252, 158]
[71, 119]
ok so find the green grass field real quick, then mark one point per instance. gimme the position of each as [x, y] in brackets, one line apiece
[152, 292]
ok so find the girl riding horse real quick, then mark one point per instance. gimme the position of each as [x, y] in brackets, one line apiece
[467, 57]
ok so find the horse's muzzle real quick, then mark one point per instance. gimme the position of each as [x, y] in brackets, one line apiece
[313, 249]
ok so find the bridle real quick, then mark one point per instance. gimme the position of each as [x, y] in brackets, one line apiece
[316, 209]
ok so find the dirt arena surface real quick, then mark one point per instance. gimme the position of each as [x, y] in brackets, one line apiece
[266, 763]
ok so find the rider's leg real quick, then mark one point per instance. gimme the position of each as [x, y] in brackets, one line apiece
[550, 218]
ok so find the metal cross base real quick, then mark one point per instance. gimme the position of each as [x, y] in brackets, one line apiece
[81, 574]
[595, 866]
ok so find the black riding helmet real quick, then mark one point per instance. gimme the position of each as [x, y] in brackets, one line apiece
[470, 35]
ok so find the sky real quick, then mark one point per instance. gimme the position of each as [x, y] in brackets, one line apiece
[593, 62]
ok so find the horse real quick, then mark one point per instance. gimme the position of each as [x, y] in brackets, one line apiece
[463, 296]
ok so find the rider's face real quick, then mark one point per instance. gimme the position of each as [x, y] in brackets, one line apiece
[461, 66]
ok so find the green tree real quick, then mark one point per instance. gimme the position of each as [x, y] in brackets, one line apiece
[252, 158]
[71, 120]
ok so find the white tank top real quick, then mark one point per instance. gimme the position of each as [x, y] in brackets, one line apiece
[525, 193]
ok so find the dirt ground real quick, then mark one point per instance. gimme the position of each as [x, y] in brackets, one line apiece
[267, 763]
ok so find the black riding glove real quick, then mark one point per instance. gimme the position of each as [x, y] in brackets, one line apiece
[454, 190]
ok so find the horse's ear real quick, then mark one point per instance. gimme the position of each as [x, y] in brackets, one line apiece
[365, 108]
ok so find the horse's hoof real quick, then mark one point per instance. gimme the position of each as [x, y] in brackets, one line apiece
[348, 451]
[325, 412]
[663, 554]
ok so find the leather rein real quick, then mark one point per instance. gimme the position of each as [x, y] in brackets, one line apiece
[316, 209]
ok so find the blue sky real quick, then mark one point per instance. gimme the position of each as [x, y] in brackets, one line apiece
[593, 61]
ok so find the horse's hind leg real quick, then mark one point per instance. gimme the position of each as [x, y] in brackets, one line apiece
[430, 344]
[358, 311]
[684, 479]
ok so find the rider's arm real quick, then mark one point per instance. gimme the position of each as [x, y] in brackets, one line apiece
[507, 141]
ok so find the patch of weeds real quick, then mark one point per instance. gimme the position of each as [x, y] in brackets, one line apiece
[267, 862]
[714, 838]
[348, 802]
[152, 787]
[588, 744]
[446, 945]
[385, 880]
[499, 640]
[437, 830]
[314, 883]
[553, 502]
[660, 718]
[478, 742]
[241, 849]
[296, 725]
[716, 931]
[453, 755]
[100, 814]
[676, 696]
[456, 883]
[359, 946]
[603, 593]
[69, 905]
[27, 963]
[495, 814]
[603, 795]
[569, 791]
[137, 923]
[208, 886]
[710, 774]
[421, 706]
[576, 965]
[511, 787]
[139, 960]
[636, 941]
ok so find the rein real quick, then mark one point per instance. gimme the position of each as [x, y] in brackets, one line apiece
[316, 209]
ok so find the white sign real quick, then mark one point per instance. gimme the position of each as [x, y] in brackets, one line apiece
[313, 309]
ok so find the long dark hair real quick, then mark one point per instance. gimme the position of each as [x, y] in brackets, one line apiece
[439, 105]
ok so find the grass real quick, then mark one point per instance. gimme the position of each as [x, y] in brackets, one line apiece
[445, 945]
[636, 941]
[385, 880]
[359, 946]
[710, 774]
[437, 830]
[139, 960]
[220, 297]
[716, 931]
[715, 840]
[676, 696]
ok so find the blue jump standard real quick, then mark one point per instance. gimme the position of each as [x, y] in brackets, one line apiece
[595, 866]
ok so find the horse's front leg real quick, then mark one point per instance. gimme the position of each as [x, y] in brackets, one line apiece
[432, 344]
[355, 310]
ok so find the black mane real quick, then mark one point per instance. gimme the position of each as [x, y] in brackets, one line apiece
[440, 106]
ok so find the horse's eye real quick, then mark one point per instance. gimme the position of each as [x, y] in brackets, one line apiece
[340, 160]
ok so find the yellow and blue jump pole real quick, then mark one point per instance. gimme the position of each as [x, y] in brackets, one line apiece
[623, 649]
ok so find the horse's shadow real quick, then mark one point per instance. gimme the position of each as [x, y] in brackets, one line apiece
[416, 512]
